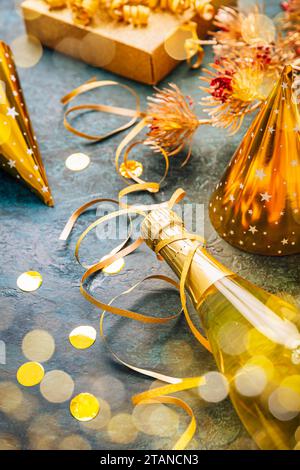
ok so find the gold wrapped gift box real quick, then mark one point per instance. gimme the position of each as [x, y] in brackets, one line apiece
[138, 53]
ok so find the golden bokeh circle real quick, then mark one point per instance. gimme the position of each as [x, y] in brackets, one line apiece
[29, 281]
[250, 380]
[74, 442]
[27, 50]
[77, 161]
[57, 386]
[11, 397]
[30, 374]
[175, 44]
[84, 407]
[9, 442]
[156, 419]
[99, 51]
[38, 345]
[258, 29]
[232, 338]
[115, 267]
[121, 429]
[101, 420]
[215, 388]
[83, 337]
[135, 167]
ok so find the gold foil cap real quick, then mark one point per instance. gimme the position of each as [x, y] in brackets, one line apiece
[158, 221]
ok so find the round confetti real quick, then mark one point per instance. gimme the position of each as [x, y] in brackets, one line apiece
[114, 267]
[84, 407]
[77, 161]
[136, 168]
[29, 281]
[57, 386]
[82, 337]
[30, 374]
[27, 51]
[38, 345]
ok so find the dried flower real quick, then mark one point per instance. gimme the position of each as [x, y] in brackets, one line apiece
[237, 85]
[171, 121]
[291, 17]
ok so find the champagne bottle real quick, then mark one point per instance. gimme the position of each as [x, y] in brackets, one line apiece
[254, 335]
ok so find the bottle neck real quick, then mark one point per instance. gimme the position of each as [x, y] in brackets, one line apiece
[204, 269]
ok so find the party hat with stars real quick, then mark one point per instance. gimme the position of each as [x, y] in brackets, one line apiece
[256, 205]
[19, 153]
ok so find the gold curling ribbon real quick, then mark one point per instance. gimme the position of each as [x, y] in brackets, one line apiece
[174, 384]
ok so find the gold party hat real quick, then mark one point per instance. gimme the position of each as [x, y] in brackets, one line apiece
[19, 152]
[256, 205]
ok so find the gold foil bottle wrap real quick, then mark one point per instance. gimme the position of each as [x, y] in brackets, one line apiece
[163, 224]
[253, 335]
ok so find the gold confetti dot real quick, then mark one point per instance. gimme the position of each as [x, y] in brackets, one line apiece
[57, 386]
[136, 168]
[84, 407]
[74, 442]
[121, 429]
[10, 397]
[30, 374]
[114, 267]
[27, 51]
[38, 345]
[82, 337]
[77, 161]
[29, 281]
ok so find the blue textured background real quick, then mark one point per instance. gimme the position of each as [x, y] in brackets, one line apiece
[29, 241]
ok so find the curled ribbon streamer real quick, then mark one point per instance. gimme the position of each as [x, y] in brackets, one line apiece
[175, 384]
[91, 85]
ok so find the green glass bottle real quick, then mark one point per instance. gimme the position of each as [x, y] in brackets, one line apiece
[254, 336]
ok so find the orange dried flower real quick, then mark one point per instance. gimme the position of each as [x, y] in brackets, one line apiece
[171, 120]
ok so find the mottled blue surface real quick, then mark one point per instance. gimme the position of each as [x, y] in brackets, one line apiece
[29, 241]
